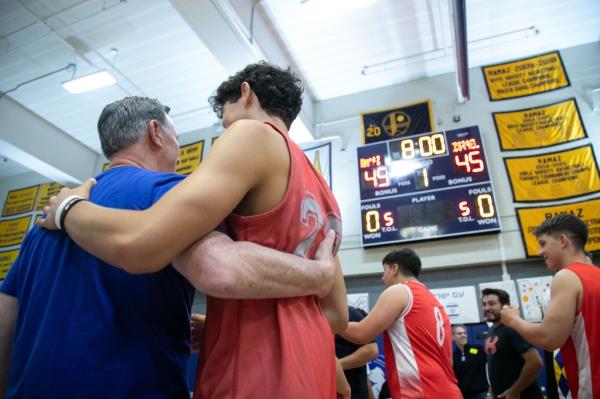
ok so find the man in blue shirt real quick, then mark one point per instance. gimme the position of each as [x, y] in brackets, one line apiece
[84, 329]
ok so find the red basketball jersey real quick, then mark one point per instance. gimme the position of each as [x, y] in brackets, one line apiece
[418, 349]
[275, 348]
[581, 351]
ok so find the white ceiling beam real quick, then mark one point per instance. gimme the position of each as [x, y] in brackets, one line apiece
[42, 147]
[220, 28]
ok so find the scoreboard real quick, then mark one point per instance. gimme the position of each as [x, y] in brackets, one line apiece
[426, 186]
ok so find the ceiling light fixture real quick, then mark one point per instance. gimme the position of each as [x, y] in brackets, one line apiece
[402, 61]
[434, 54]
[336, 6]
[89, 82]
[68, 67]
[513, 35]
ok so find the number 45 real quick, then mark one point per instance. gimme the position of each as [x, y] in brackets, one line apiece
[471, 161]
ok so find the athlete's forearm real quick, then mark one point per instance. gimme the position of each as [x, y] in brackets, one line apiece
[109, 235]
[8, 317]
[531, 368]
[335, 304]
[360, 357]
[341, 383]
[223, 268]
[357, 333]
[536, 334]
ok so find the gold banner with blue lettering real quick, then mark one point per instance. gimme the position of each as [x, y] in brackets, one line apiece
[524, 77]
[12, 231]
[553, 176]
[390, 123]
[47, 190]
[7, 258]
[539, 127]
[588, 211]
[190, 156]
[20, 201]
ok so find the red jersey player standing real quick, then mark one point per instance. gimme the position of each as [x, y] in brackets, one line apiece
[261, 183]
[572, 321]
[417, 340]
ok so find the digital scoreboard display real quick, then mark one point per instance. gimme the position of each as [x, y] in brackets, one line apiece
[426, 186]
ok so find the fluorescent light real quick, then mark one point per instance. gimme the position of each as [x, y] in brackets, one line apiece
[404, 61]
[335, 6]
[500, 38]
[435, 54]
[89, 82]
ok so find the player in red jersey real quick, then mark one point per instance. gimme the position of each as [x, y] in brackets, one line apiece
[257, 179]
[572, 320]
[417, 340]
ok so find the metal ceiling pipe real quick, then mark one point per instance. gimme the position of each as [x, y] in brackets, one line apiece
[461, 59]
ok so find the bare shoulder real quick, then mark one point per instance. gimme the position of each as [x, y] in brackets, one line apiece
[397, 291]
[250, 130]
[566, 286]
[565, 277]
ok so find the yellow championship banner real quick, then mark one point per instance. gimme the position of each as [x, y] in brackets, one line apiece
[525, 77]
[390, 123]
[12, 231]
[105, 166]
[539, 127]
[553, 176]
[190, 157]
[20, 201]
[47, 190]
[7, 258]
[588, 211]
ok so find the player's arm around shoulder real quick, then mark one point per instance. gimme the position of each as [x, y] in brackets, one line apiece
[193, 208]
[390, 305]
[335, 303]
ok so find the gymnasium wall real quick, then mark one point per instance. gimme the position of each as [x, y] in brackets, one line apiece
[450, 262]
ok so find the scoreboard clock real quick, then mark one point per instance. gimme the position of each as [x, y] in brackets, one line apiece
[425, 186]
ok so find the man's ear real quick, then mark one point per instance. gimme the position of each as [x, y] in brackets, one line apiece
[565, 241]
[395, 269]
[246, 93]
[155, 135]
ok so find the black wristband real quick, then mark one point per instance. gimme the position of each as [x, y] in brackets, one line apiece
[66, 210]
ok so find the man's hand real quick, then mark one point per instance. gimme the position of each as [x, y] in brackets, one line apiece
[508, 394]
[325, 261]
[509, 315]
[196, 331]
[48, 222]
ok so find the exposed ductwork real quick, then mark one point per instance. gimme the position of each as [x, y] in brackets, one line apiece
[461, 58]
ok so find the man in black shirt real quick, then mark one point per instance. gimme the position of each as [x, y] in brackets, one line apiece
[513, 363]
[354, 358]
[469, 365]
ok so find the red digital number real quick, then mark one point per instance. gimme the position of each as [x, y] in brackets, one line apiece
[464, 208]
[378, 177]
[388, 219]
[471, 162]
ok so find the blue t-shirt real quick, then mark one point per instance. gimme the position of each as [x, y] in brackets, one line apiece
[86, 329]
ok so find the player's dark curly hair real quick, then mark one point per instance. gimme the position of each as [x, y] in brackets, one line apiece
[567, 224]
[278, 90]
